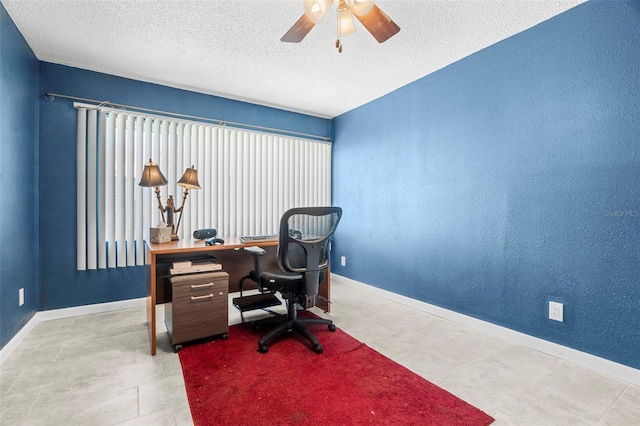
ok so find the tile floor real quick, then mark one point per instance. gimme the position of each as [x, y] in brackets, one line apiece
[96, 370]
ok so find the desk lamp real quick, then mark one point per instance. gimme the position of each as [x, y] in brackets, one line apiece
[152, 176]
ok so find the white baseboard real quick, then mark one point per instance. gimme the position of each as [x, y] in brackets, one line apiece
[601, 365]
[90, 309]
[53, 314]
[13, 344]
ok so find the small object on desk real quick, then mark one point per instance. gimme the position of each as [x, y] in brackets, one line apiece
[201, 234]
[255, 238]
[213, 241]
[160, 234]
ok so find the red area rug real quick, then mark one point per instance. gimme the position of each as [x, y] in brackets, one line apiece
[230, 383]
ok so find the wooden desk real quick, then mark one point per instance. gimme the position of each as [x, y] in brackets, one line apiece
[234, 261]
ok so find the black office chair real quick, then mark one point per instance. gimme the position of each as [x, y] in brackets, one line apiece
[303, 257]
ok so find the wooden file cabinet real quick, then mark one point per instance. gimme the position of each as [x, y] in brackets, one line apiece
[199, 307]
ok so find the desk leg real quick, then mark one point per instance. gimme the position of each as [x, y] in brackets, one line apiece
[324, 291]
[151, 302]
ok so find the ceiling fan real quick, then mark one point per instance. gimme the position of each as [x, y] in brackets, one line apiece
[370, 16]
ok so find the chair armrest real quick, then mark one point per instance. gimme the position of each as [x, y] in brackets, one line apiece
[255, 250]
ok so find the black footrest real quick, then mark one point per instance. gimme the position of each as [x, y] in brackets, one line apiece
[256, 301]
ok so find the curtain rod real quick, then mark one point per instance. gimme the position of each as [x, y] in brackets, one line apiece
[52, 96]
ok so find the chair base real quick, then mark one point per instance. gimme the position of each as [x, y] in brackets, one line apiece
[292, 323]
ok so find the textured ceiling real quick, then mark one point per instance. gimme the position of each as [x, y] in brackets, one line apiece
[232, 48]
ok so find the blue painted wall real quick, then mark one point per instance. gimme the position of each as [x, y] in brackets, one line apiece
[506, 180]
[18, 178]
[61, 285]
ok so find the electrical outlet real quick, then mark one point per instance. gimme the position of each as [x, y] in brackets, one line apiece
[343, 260]
[21, 297]
[556, 311]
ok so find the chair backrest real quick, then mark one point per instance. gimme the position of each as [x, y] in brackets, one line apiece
[304, 238]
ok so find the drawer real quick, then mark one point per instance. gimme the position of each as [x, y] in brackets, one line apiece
[217, 287]
[198, 278]
[197, 317]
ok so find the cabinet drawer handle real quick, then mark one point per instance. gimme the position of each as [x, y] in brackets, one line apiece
[206, 296]
[201, 285]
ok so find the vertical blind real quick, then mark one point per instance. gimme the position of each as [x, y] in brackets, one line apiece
[248, 180]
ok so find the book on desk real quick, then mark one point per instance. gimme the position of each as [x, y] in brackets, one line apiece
[193, 267]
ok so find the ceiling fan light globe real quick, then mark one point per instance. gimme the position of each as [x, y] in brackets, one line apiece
[361, 7]
[316, 9]
[347, 26]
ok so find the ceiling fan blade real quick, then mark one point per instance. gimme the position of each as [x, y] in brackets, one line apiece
[299, 30]
[381, 27]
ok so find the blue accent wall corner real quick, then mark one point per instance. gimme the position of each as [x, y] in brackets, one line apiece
[18, 179]
[506, 180]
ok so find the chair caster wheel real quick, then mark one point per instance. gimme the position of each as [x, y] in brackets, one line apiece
[263, 349]
[177, 348]
[317, 348]
[225, 336]
[332, 327]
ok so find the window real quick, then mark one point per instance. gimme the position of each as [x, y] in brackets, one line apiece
[248, 180]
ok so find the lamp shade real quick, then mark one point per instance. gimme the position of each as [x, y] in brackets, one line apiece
[152, 176]
[189, 179]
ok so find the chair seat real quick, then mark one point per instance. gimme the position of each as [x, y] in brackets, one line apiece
[278, 275]
[285, 283]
